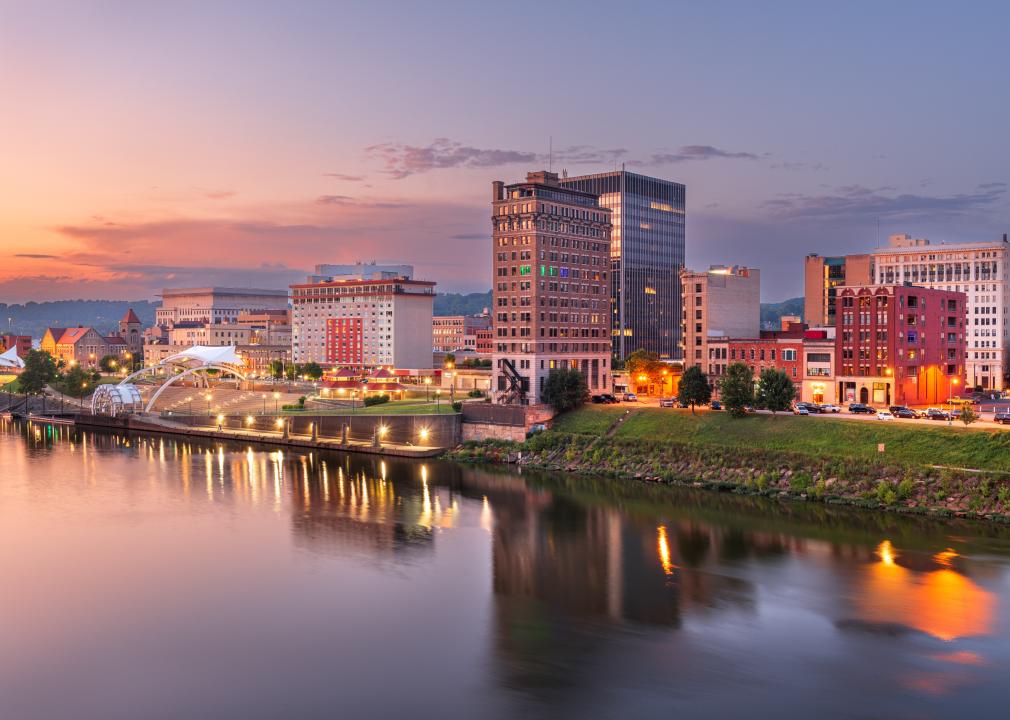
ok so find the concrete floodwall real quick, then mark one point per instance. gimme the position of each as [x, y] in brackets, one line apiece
[442, 430]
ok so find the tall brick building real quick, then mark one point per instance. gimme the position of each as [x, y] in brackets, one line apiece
[551, 295]
[899, 344]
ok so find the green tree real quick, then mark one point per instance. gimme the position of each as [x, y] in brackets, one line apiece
[694, 387]
[968, 414]
[108, 363]
[644, 363]
[565, 389]
[77, 381]
[276, 369]
[292, 371]
[775, 390]
[313, 370]
[39, 371]
[737, 388]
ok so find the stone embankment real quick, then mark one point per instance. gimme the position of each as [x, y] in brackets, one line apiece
[942, 492]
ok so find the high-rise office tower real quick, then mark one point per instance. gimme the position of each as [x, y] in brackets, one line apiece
[551, 296]
[647, 254]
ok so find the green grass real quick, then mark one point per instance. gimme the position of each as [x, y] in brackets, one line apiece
[923, 444]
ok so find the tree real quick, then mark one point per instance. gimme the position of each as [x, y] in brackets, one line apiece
[565, 389]
[291, 371]
[76, 381]
[39, 371]
[968, 414]
[737, 388]
[313, 370]
[276, 369]
[775, 390]
[694, 387]
[108, 363]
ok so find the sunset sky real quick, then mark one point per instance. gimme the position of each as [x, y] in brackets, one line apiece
[147, 145]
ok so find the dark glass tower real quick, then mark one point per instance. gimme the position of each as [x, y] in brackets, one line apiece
[647, 254]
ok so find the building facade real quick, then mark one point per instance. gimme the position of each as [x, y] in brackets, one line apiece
[451, 333]
[363, 323]
[899, 344]
[215, 304]
[83, 346]
[977, 269]
[772, 349]
[646, 254]
[819, 366]
[551, 267]
[722, 302]
[822, 276]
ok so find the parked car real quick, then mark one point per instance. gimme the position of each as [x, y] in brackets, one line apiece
[630, 397]
[937, 414]
[1002, 417]
[597, 399]
[900, 411]
[716, 405]
[609, 399]
[884, 415]
[684, 403]
[667, 402]
[830, 408]
[811, 407]
[861, 408]
[801, 409]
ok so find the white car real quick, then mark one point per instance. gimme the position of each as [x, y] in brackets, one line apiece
[884, 415]
[800, 410]
[829, 408]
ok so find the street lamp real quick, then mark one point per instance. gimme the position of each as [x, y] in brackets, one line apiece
[277, 397]
[950, 399]
[427, 389]
[208, 397]
[264, 403]
[438, 394]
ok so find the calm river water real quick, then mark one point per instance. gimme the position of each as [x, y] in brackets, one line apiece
[145, 577]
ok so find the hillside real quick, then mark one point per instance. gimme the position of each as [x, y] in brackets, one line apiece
[771, 313]
[33, 318]
[462, 304]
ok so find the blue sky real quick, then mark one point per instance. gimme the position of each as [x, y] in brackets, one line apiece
[149, 145]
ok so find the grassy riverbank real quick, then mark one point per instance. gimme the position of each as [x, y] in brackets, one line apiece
[924, 468]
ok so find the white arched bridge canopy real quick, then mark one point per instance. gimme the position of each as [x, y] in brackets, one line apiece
[10, 360]
[192, 361]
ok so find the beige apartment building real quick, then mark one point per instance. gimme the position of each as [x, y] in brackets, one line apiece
[821, 278]
[721, 302]
[979, 270]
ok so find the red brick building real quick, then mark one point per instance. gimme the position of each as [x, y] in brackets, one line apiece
[777, 349]
[899, 344]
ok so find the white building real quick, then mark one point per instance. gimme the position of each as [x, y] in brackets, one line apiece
[977, 269]
[363, 323]
[215, 304]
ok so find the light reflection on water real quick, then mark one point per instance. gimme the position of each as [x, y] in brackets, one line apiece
[238, 581]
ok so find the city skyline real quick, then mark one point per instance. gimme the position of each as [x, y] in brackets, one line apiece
[130, 166]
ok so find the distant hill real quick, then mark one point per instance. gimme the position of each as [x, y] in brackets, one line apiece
[34, 317]
[462, 304]
[771, 313]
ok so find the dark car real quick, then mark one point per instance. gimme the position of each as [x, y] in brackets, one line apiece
[937, 414]
[861, 409]
[1003, 418]
[597, 399]
[716, 405]
[609, 399]
[900, 411]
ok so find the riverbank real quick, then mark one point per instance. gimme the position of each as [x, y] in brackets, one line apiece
[922, 470]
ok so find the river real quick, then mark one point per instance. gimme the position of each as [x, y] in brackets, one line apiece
[148, 577]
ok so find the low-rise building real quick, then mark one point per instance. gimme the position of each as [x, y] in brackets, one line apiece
[819, 366]
[83, 346]
[215, 304]
[23, 343]
[899, 344]
[452, 333]
[772, 349]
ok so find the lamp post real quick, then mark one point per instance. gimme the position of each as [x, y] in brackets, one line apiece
[264, 403]
[950, 400]
[277, 397]
[208, 397]
[438, 395]
[427, 389]
[84, 386]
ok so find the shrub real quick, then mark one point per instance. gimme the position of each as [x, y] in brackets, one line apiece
[475, 393]
[799, 482]
[457, 406]
[376, 400]
[905, 489]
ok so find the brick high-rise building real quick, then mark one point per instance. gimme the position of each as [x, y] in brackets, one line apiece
[551, 295]
[899, 344]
